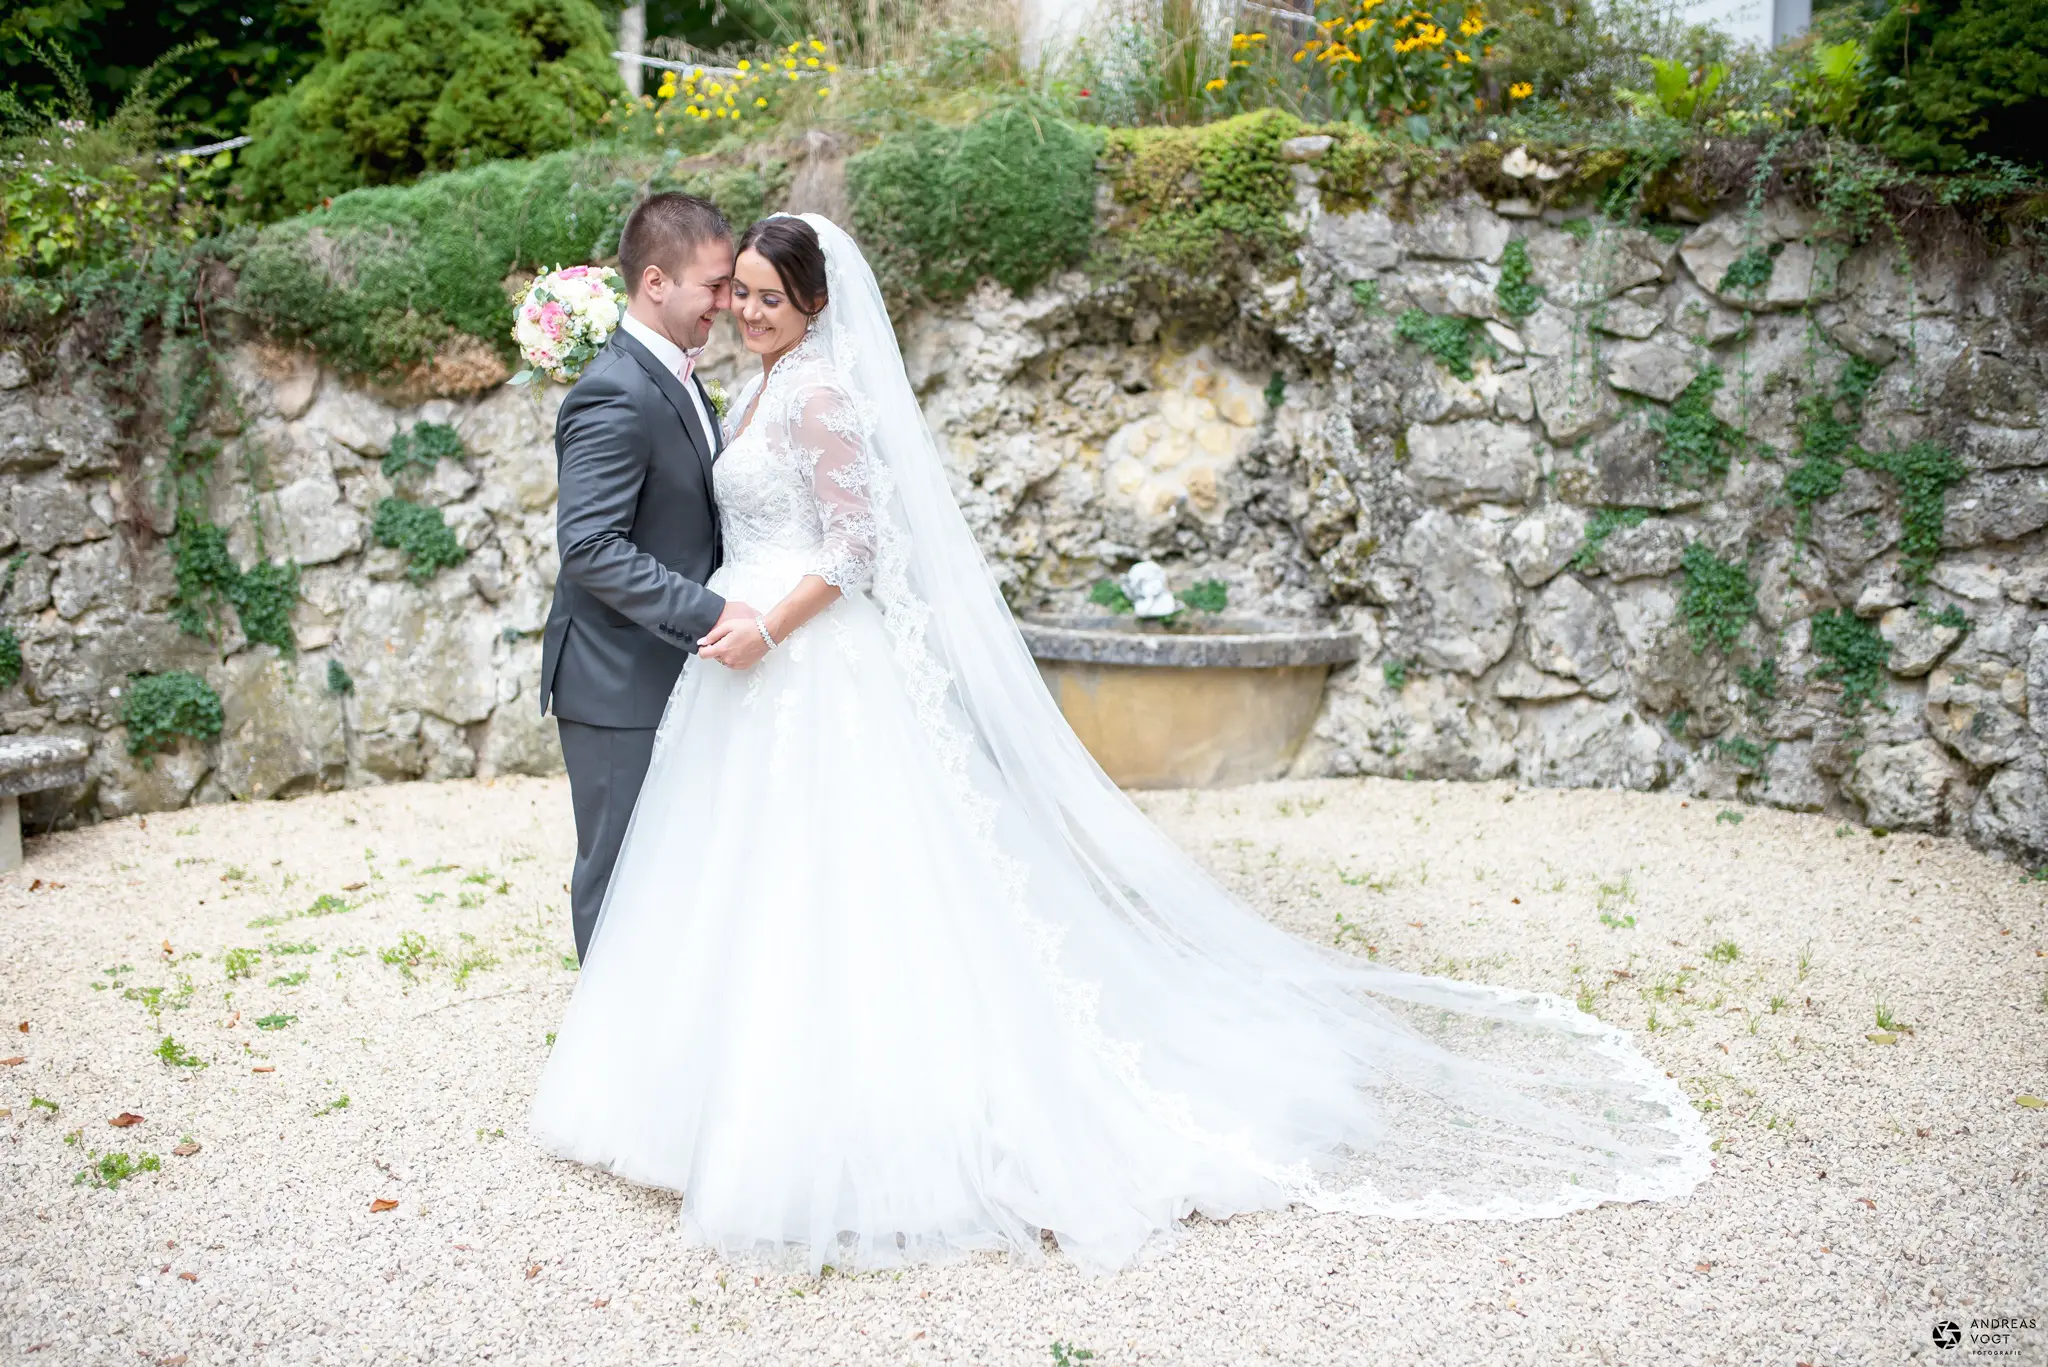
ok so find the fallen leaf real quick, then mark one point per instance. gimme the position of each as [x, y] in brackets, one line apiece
[167, 949]
[918, 1335]
[185, 1150]
[2032, 1103]
[1416, 924]
[1722, 1047]
[178, 1361]
[383, 1203]
[263, 1068]
[36, 886]
[1516, 900]
[601, 1304]
[24, 1027]
[125, 1119]
[188, 1276]
[352, 887]
[1703, 1267]
[10, 1062]
[1868, 1202]
[532, 1269]
[165, 1268]
[1882, 1037]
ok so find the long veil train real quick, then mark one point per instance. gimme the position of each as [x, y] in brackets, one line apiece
[1306, 1074]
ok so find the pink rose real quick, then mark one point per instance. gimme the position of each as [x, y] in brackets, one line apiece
[574, 272]
[553, 319]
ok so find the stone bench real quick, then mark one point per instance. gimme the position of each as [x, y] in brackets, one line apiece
[30, 764]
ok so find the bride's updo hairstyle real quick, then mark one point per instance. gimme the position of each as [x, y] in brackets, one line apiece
[791, 246]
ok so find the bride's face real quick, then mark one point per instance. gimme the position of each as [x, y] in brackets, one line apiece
[770, 323]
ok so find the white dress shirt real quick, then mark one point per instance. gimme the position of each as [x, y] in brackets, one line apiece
[671, 355]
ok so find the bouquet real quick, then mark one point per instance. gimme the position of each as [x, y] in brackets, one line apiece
[564, 318]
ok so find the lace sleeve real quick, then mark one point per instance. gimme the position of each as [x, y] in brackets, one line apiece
[827, 438]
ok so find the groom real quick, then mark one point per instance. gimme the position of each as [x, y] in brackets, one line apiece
[636, 525]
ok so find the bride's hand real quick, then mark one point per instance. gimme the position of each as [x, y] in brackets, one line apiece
[734, 642]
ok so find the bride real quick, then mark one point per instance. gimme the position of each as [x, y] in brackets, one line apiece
[888, 969]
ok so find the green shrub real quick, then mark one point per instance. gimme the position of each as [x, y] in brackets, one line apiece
[421, 532]
[1207, 595]
[1108, 593]
[1201, 201]
[1604, 523]
[1450, 339]
[1517, 292]
[1924, 471]
[1696, 442]
[1718, 600]
[1010, 196]
[380, 279]
[159, 708]
[338, 680]
[409, 86]
[420, 448]
[1961, 77]
[10, 657]
[208, 582]
[1853, 652]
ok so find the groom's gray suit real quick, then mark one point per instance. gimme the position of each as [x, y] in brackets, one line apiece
[636, 525]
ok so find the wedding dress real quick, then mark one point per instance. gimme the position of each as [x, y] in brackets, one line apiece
[888, 969]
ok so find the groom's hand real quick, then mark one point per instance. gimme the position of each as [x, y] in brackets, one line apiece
[735, 641]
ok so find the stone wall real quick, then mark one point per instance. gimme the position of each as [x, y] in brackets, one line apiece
[1301, 452]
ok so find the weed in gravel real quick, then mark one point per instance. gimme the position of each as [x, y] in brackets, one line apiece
[177, 1055]
[1351, 932]
[36, 1103]
[288, 979]
[1370, 881]
[240, 963]
[1777, 1005]
[112, 1169]
[301, 947]
[1613, 922]
[1585, 998]
[339, 1103]
[1887, 1021]
[470, 900]
[1065, 1355]
[1726, 952]
[1805, 960]
[1727, 817]
[473, 960]
[274, 1021]
[409, 953]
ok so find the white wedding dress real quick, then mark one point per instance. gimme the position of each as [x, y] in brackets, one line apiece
[889, 970]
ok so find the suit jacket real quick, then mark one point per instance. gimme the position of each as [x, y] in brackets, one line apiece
[636, 525]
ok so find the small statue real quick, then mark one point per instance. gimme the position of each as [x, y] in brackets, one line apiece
[1145, 585]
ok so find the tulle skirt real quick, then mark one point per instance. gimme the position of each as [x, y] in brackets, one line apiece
[848, 1000]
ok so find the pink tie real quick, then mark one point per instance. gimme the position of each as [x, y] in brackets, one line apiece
[689, 364]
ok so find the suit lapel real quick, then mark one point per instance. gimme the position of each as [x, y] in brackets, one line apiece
[711, 416]
[672, 390]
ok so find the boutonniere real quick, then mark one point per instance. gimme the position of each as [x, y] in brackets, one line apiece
[720, 400]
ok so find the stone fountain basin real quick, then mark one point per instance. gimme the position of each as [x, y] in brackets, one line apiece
[1222, 701]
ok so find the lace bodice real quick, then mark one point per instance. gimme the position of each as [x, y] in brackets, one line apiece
[794, 486]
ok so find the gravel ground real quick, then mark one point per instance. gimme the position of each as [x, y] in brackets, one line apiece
[1864, 1191]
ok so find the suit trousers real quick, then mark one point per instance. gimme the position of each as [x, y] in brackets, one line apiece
[606, 765]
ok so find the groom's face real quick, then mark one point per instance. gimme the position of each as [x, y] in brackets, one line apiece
[689, 301]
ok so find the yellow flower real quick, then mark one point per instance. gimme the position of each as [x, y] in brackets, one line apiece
[810, 61]
[831, 66]
[1217, 84]
[789, 63]
[792, 47]
[760, 102]
[1301, 54]
[746, 65]
[1463, 58]
[817, 46]
[1521, 90]
[823, 91]
[1473, 25]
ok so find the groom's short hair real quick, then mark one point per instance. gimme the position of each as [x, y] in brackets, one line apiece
[665, 230]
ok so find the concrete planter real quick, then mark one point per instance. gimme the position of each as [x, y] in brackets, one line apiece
[1225, 701]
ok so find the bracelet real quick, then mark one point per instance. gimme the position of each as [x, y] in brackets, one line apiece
[762, 627]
